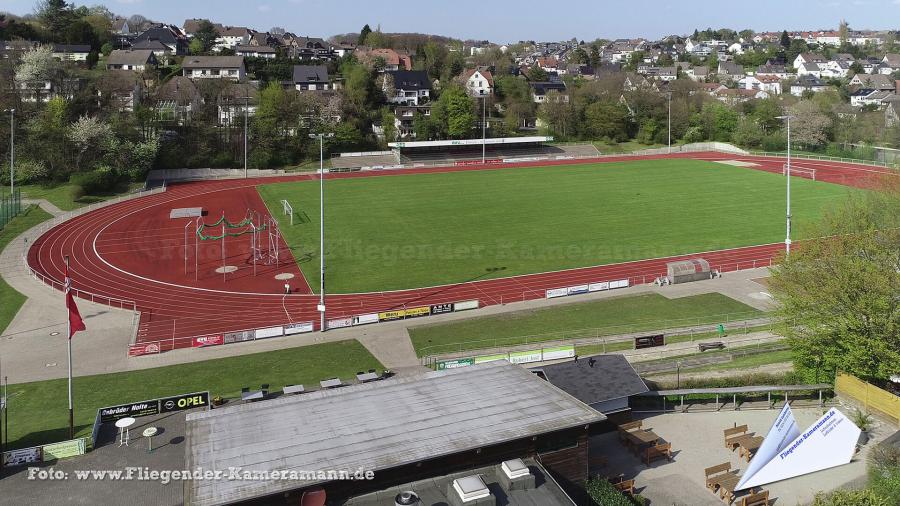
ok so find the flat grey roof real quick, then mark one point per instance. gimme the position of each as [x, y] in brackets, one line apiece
[433, 491]
[609, 377]
[374, 426]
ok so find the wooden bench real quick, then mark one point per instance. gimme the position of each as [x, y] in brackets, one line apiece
[760, 498]
[625, 427]
[733, 436]
[717, 473]
[657, 452]
[715, 345]
[625, 486]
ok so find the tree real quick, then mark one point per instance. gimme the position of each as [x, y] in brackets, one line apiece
[537, 74]
[388, 124]
[88, 134]
[785, 39]
[838, 295]
[809, 126]
[106, 49]
[456, 112]
[843, 32]
[363, 35]
[206, 34]
[37, 65]
[606, 120]
[55, 15]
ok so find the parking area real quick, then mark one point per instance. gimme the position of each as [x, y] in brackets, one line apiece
[698, 443]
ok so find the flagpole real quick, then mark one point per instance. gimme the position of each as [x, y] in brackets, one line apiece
[69, 346]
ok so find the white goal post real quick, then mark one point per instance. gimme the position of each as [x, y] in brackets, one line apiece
[287, 210]
[796, 171]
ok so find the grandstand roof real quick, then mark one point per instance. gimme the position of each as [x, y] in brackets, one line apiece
[470, 142]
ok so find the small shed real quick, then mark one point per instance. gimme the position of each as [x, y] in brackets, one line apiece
[603, 382]
[684, 271]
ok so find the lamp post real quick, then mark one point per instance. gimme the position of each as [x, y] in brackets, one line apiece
[246, 114]
[12, 151]
[669, 95]
[321, 306]
[483, 127]
[787, 238]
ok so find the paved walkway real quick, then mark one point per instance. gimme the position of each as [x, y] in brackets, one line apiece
[46, 205]
[30, 352]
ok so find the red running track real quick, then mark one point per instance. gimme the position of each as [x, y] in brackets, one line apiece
[133, 251]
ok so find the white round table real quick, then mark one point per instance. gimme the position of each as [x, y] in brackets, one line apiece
[148, 433]
[123, 424]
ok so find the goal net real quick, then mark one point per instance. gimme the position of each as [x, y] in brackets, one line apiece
[797, 171]
[288, 210]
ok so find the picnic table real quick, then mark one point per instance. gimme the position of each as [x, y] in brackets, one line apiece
[364, 377]
[739, 441]
[640, 438]
[726, 486]
[748, 446]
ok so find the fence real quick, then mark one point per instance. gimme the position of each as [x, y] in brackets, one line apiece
[10, 207]
[611, 338]
[58, 284]
[824, 158]
[871, 397]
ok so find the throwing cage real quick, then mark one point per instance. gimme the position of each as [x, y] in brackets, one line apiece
[264, 242]
[807, 173]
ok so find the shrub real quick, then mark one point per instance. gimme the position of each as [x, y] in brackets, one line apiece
[884, 470]
[865, 497]
[693, 134]
[101, 180]
[603, 493]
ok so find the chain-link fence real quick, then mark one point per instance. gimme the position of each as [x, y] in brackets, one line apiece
[10, 207]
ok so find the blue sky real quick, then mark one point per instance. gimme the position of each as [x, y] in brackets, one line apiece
[512, 20]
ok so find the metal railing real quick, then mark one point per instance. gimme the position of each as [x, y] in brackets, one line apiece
[605, 339]
[824, 158]
[56, 284]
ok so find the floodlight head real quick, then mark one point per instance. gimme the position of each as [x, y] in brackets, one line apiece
[786, 116]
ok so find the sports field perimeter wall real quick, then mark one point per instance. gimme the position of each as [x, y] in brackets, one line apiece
[872, 398]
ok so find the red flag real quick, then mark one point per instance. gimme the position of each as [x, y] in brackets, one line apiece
[75, 321]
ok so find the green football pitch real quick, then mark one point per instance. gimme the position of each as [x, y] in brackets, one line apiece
[415, 230]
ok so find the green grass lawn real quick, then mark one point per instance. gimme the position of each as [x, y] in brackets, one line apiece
[414, 230]
[61, 195]
[731, 333]
[38, 411]
[11, 300]
[615, 315]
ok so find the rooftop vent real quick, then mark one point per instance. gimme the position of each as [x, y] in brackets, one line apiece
[406, 498]
[471, 488]
[515, 468]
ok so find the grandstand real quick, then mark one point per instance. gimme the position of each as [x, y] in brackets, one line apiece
[456, 152]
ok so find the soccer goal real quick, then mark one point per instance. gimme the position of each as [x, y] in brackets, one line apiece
[796, 171]
[288, 210]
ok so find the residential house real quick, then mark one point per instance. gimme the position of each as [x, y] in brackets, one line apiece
[807, 83]
[808, 58]
[778, 71]
[699, 73]
[834, 69]
[542, 91]
[135, 60]
[311, 48]
[177, 100]
[866, 96]
[45, 89]
[809, 69]
[878, 82]
[889, 64]
[170, 36]
[120, 26]
[667, 73]
[237, 102]
[343, 49]
[479, 82]
[192, 26]
[214, 67]
[404, 119]
[768, 83]
[71, 52]
[311, 78]
[393, 60]
[734, 96]
[731, 70]
[264, 39]
[410, 87]
[634, 81]
[120, 90]
[14, 49]
[232, 36]
[549, 64]
[267, 52]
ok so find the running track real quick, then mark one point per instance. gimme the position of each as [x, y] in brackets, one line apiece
[105, 262]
